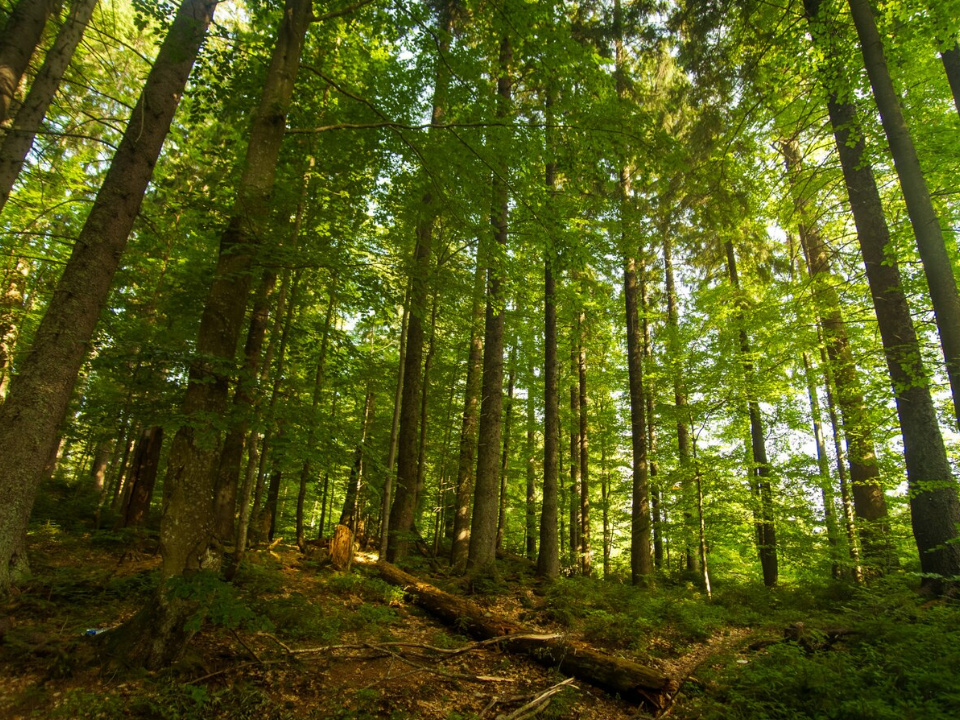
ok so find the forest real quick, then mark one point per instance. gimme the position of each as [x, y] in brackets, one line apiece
[469, 359]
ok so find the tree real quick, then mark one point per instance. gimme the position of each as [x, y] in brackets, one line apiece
[40, 392]
[20, 38]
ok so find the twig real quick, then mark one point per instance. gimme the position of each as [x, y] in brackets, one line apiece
[442, 673]
[539, 702]
[246, 647]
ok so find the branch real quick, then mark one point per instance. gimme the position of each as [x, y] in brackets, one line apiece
[340, 13]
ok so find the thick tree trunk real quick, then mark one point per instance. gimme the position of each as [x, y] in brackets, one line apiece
[760, 470]
[951, 66]
[39, 395]
[868, 497]
[628, 679]
[483, 528]
[19, 138]
[20, 38]
[468, 430]
[926, 225]
[143, 477]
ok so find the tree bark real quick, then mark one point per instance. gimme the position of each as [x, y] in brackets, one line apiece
[348, 515]
[951, 66]
[386, 499]
[483, 528]
[19, 138]
[923, 217]
[760, 481]
[20, 38]
[530, 525]
[574, 491]
[40, 393]
[586, 558]
[505, 454]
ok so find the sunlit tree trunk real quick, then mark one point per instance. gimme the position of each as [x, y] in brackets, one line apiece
[574, 491]
[39, 394]
[530, 524]
[586, 559]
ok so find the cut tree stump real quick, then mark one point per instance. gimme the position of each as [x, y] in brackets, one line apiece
[629, 679]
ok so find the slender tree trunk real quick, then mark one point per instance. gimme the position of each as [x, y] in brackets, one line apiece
[11, 306]
[20, 38]
[574, 492]
[586, 558]
[348, 516]
[386, 498]
[760, 470]
[656, 504]
[19, 138]
[318, 383]
[483, 528]
[101, 459]
[548, 559]
[926, 225]
[869, 500]
[468, 430]
[505, 454]
[702, 525]
[419, 496]
[41, 391]
[530, 532]
[605, 506]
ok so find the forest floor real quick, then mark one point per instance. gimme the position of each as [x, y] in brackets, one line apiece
[293, 638]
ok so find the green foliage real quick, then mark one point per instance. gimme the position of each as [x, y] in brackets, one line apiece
[216, 601]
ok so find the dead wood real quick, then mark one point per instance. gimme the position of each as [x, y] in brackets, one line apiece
[341, 547]
[628, 678]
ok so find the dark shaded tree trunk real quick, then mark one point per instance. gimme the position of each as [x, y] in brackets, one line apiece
[951, 66]
[19, 138]
[20, 38]
[923, 217]
[483, 527]
[760, 481]
[143, 477]
[41, 391]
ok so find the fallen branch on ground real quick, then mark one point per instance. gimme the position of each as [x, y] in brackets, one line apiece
[534, 701]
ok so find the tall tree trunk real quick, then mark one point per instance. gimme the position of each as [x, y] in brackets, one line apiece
[386, 498]
[483, 528]
[419, 496]
[11, 306]
[348, 515]
[548, 559]
[869, 500]
[404, 501]
[574, 491]
[468, 429]
[760, 470]
[39, 394]
[926, 225]
[951, 66]
[505, 454]
[586, 559]
[143, 477]
[688, 488]
[101, 459]
[530, 525]
[318, 383]
[605, 504]
[19, 138]
[20, 38]
[935, 509]
[656, 505]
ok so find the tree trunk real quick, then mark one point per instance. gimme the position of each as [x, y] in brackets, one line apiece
[40, 393]
[388, 481]
[656, 505]
[11, 307]
[760, 470]
[318, 382]
[530, 525]
[586, 559]
[468, 430]
[19, 138]
[483, 528]
[419, 496]
[20, 38]
[926, 225]
[143, 477]
[101, 459]
[868, 497]
[505, 454]
[404, 501]
[951, 66]
[348, 516]
[548, 559]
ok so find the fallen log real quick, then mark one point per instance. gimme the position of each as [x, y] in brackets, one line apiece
[629, 679]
